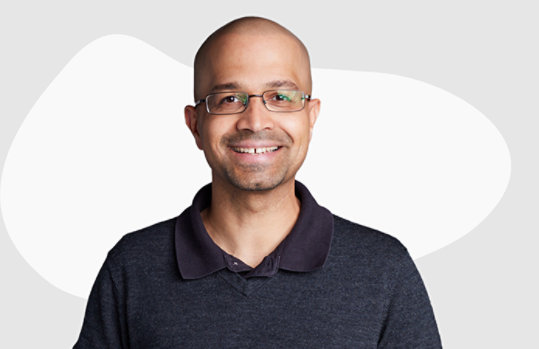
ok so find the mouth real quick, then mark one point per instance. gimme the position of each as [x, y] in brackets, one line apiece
[256, 151]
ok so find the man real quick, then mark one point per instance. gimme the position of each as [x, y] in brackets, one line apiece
[255, 261]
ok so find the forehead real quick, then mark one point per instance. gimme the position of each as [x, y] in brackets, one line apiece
[252, 62]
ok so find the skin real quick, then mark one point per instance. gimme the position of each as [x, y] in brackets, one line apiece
[253, 204]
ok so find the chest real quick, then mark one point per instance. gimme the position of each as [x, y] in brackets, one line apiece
[288, 310]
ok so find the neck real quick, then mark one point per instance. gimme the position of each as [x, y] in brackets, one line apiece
[250, 224]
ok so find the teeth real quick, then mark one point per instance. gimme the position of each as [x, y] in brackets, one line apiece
[255, 150]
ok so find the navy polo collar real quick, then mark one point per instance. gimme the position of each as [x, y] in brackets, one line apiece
[304, 249]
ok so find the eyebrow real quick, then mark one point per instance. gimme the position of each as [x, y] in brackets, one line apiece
[225, 86]
[271, 84]
[283, 83]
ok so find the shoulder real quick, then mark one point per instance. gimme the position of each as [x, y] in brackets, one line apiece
[359, 237]
[361, 247]
[154, 241]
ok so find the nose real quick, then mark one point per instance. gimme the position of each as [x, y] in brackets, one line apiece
[256, 117]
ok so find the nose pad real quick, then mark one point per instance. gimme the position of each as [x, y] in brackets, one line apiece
[251, 97]
[256, 116]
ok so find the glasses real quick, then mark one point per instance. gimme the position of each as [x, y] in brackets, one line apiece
[281, 101]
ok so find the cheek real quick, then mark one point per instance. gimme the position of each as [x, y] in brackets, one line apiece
[212, 133]
[298, 128]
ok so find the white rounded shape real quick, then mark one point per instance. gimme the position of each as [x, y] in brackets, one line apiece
[104, 151]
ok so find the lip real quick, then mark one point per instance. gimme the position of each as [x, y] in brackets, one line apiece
[249, 158]
[254, 145]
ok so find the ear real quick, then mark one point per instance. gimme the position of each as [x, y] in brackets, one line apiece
[314, 110]
[192, 123]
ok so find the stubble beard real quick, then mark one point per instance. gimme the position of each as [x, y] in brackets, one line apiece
[256, 177]
[253, 178]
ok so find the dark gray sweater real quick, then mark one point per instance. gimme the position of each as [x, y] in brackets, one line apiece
[368, 294]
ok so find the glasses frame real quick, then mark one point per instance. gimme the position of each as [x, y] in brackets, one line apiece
[305, 97]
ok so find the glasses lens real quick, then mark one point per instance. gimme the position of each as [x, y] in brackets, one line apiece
[226, 102]
[284, 100]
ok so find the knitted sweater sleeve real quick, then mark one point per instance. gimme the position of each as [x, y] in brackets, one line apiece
[409, 320]
[104, 323]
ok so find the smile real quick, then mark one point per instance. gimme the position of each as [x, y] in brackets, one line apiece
[255, 150]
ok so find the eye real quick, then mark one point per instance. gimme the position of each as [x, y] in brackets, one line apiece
[281, 97]
[229, 99]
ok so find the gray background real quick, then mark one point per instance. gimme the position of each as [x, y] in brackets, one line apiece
[485, 52]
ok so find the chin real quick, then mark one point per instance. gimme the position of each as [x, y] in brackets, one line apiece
[256, 184]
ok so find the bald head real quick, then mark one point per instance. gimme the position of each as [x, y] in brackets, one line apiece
[242, 34]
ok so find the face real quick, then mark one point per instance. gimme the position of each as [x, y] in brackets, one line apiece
[257, 149]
